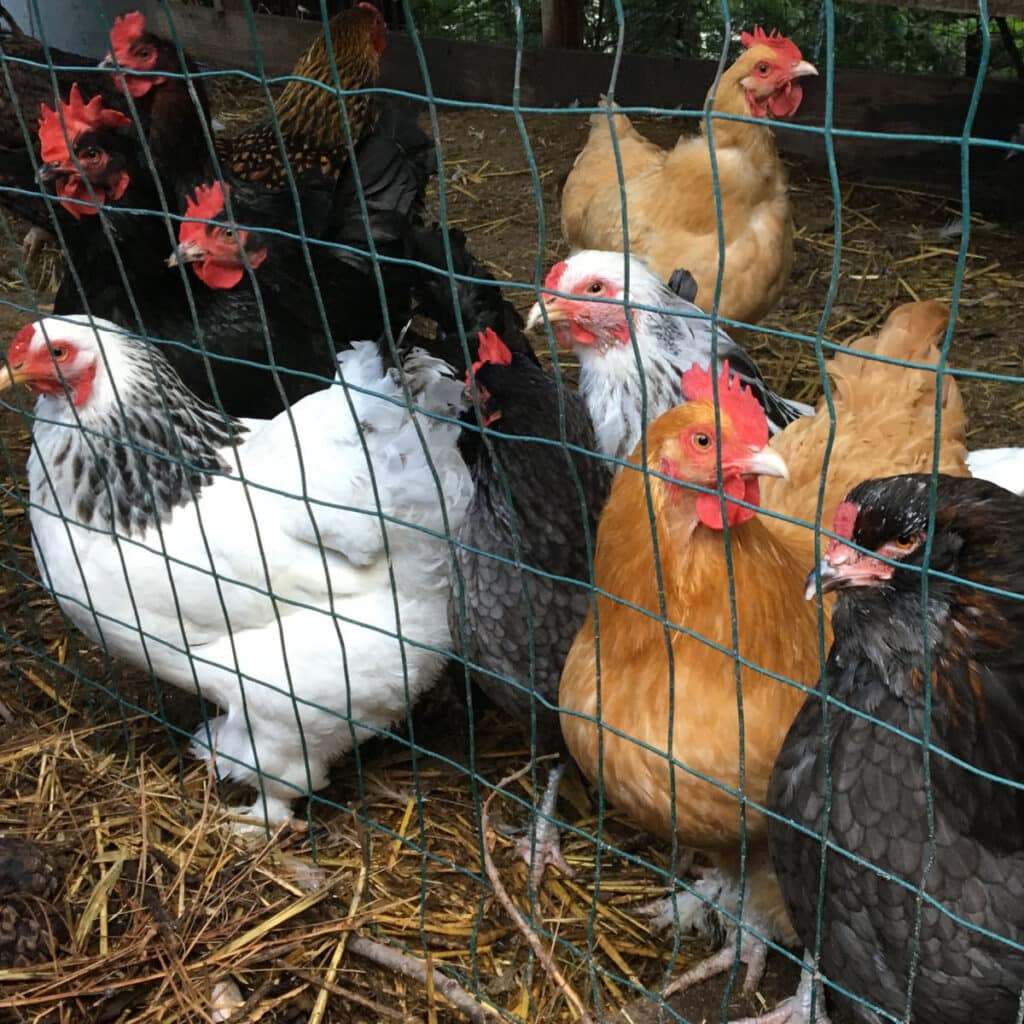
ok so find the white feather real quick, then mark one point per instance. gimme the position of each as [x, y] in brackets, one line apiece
[1002, 466]
[272, 591]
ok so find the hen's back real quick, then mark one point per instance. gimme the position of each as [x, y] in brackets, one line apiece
[885, 423]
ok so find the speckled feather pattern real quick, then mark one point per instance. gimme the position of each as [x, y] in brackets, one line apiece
[527, 493]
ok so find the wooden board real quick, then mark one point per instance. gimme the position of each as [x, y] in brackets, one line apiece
[474, 73]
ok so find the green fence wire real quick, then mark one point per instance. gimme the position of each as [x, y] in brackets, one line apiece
[96, 677]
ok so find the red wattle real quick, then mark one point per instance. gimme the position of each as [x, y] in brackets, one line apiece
[709, 510]
[216, 275]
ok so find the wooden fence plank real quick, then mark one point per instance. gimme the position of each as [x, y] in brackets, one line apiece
[475, 73]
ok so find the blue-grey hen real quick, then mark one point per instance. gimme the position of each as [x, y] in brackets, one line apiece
[524, 544]
[973, 913]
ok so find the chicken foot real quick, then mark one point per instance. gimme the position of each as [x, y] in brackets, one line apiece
[797, 1008]
[33, 243]
[752, 952]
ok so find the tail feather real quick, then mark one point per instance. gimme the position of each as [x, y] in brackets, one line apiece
[884, 423]
[870, 387]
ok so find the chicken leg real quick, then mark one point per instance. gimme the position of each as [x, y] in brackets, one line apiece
[542, 844]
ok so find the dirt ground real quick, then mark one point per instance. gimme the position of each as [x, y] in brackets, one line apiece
[80, 743]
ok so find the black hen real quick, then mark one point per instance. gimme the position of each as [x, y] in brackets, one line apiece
[879, 809]
[536, 505]
[478, 303]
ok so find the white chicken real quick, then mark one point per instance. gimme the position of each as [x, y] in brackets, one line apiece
[286, 598]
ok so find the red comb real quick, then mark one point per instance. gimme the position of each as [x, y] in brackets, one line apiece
[22, 340]
[78, 117]
[493, 351]
[738, 402]
[207, 204]
[784, 46]
[845, 518]
[127, 29]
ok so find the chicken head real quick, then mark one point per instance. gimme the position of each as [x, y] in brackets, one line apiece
[77, 154]
[769, 73]
[216, 250]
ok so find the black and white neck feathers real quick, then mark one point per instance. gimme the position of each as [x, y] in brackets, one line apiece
[138, 447]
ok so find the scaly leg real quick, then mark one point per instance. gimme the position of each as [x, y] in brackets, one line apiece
[797, 1008]
[544, 847]
[753, 953]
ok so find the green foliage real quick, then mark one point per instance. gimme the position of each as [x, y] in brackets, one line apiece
[880, 38]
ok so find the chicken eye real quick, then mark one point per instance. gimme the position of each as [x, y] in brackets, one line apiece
[905, 541]
[763, 69]
[60, 353]
[91, 153]
[144, 53]
[227, 234]
[595, 288]
[702, 441]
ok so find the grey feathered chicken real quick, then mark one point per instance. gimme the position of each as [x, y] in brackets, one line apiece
[974, 904]
[536, 505]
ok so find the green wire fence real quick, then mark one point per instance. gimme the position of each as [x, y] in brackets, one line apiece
[847, 35]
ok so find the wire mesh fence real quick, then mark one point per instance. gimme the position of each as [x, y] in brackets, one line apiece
[423, 574]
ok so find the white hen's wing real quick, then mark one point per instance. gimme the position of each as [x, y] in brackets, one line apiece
[1002, 466]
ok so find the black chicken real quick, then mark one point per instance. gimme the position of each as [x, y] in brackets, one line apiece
[478, 302]
[963, 969]
[118, 267]
[516, 605]
[173, 111]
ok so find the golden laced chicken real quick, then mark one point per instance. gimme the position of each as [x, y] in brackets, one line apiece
[309, 114]
[670, 202]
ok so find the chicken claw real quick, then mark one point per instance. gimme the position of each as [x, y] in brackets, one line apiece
[33, 242]
[753, 952]
[797, 1008]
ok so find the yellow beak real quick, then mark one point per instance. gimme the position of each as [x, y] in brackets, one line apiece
[8, 378]
[765, 462]
[555, 313]
[803, 70]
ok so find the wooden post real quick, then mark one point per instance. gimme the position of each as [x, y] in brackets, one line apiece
[561, 24]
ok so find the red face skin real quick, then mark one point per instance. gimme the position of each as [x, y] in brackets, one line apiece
[580, 320]
[772, 91]
[744, 447]
[95, 163]
[697, 446]
[83, 124]
[135, 50]
[218, 261]
[775, 64]
[34, 366]
[853, 568]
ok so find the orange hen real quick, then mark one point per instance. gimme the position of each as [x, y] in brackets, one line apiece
[885, 417]
[777, 629]
[670, 202]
